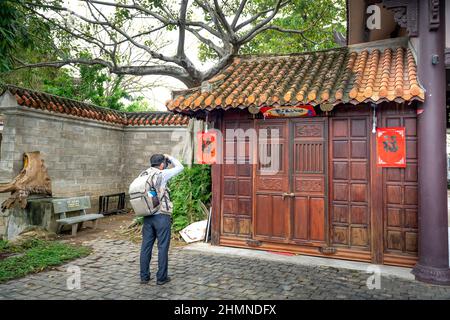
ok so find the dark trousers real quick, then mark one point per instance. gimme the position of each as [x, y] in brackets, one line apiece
[155, 227]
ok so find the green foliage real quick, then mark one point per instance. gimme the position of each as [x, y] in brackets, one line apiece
[20, 30]
[318, 19]
[9, 29]
[89, 87]
[139, 220]
[139, 105]
[3, 245]
[36, 255]
[187, 190]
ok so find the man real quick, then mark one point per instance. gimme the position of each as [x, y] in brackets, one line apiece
[157, 226]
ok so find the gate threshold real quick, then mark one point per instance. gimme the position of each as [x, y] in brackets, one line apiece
[388, 271]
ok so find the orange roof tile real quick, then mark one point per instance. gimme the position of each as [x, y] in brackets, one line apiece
[336, 76]
[50, 103]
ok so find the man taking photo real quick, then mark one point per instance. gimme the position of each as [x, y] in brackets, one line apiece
[158, 225]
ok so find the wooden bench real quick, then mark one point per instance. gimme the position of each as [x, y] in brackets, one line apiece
[65, 205]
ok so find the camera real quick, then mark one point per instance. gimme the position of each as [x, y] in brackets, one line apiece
[167, 162]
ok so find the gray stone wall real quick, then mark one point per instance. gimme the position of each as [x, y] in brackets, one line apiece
[83, 157]
[140, 144]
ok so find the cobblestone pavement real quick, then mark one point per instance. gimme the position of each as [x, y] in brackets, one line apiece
[111, 272]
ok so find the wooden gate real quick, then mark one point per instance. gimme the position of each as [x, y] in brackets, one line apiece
[327, 196]
[290, 197]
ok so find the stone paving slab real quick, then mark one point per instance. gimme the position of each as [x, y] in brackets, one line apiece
[111, 272]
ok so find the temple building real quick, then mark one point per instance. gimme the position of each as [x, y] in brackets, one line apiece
[361, 140]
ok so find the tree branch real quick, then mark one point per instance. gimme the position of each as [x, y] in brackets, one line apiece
[182, 29]
[220, 51]
[223, 20]
[207, 9]
[165, 70]
[258, 15]
[260, 25]
[238, 14]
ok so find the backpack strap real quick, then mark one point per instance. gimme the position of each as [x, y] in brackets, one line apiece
[151, 179]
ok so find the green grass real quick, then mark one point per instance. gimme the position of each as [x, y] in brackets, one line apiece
[35, 256]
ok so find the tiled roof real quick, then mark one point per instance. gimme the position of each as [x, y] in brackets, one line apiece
[156, 119]
[343, 75]
[47, 102]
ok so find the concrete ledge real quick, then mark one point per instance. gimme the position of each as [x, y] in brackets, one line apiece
[386, 271]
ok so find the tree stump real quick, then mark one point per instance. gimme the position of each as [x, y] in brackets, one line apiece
[32, 179]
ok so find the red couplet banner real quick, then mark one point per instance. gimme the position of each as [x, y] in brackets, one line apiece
[391, 147]
[206, 147]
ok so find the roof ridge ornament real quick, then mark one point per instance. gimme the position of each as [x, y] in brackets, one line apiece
[206, 87]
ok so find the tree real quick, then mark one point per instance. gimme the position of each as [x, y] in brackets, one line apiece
[222, 27]
[29, 37]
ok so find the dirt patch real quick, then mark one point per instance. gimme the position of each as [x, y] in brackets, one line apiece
[107, 228]
[111, 227]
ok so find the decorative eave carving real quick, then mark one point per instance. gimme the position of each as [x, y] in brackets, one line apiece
[434, 14]
[405, 14]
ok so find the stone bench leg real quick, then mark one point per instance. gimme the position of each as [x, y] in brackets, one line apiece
[74, 229]
[94, 224]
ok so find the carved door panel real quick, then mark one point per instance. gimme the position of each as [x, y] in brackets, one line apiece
[309, 181]
[272, 211]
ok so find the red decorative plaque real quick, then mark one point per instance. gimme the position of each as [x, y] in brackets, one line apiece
[285, 112]
[206, 147]
[391, 147]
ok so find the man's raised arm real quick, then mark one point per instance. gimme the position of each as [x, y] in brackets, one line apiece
[170, 173]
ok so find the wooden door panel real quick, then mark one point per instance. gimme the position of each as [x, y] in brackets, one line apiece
[317, 226]
[263, 220]
[272, 210]
[400, 190]
[301, 221]
[309, 180]
[237, 181]
[291, 203]
[350, 179]
[312, 184]
[272, 183]
[279, 217]
[309, 219]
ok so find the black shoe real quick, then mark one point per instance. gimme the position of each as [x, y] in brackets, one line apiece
[145, 281]
[163, 281]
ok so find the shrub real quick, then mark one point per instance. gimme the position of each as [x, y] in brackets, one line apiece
[187, 191]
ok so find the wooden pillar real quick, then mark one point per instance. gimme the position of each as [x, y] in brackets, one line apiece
[433, 263]
[216, 182]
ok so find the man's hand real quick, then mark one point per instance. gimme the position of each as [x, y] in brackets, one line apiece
[168, 160]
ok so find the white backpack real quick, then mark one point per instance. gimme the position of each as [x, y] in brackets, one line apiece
[144, 193]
